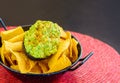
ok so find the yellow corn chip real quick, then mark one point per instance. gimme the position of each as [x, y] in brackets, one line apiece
[62, 33]
[0, 49]
[44, 67]
[36, 69]
[17, 46]
[6, 35]
[61, 63]
[17, 38]
[2, 54]
[70, 49]
[24, 64]
[13, 57]
[62, 47]
[74, 50]
[15, 67]
[68, 35]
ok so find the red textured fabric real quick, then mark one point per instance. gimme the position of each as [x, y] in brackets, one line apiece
[102, 67]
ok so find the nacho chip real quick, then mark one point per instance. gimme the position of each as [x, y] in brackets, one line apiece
[21, 62]
[68, 35]
[70, 48]
[61, 63]
[6, 35]
[2, 54]
[13, 57]
[36, 69]
[17, 38]
[0, 49]
[44, 67]
[74, 50]
[17, 46]
[62, 47]
[8, 59]
[24, 64]
[63, 34]
[15, 67]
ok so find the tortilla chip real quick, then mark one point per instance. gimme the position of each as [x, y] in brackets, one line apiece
[24, 64]
[15, 67]
[17, 46]
[17, 38]
[62, 33]
[2, 54]
[44, 67]
[36, 69]
[0, 49]
[74, 50]
[8, 59]
[68, 35]
[70, 49]
[67, 52]
[62, 47]
[61, 63]
[13, 57]
[6, 35]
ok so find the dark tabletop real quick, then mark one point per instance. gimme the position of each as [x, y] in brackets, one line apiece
[97, 18]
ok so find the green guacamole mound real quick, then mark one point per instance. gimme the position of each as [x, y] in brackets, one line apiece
[42, 39]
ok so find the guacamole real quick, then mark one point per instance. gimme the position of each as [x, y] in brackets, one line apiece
[42, 39]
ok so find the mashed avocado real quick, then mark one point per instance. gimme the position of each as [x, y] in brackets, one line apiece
[42, 39]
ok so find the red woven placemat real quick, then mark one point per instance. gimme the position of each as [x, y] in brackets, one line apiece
[102, 67]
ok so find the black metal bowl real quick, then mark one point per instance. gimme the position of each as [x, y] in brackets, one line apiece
[72, 67]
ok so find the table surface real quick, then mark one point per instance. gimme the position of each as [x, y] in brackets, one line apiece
[97, 18]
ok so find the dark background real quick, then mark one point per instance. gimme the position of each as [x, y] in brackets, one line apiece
[97, 18]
